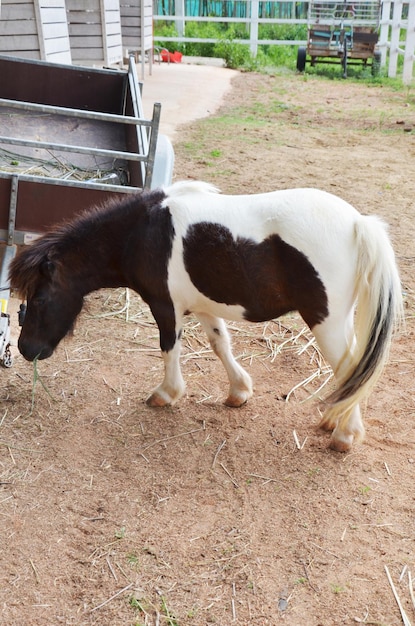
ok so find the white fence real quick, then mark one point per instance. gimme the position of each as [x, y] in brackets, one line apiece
[393, 39]
[252, 20]
[397, 35]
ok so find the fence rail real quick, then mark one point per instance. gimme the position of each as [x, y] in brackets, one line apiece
[397, 24]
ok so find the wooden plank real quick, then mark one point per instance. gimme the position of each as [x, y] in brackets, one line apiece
[113, 18]
[113, 29]
[88, 54]
[113, 41]
[131, 25]
[129, 11]
[28, 42]
[85, 30]
[82, 5]
[23, 27]
[112, 5]
[20, 12]
[80, 17]
[14, 2]
[56, 31]
[52, 4]
[56, 45]
[53, 16]
[24, 54]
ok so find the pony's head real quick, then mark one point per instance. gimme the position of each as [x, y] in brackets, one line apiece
[53, 301]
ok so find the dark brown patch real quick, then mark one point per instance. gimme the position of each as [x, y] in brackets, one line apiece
[267, 279]
[125, 244]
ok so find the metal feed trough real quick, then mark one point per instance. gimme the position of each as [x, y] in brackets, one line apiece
[341, 32]
[70, 137]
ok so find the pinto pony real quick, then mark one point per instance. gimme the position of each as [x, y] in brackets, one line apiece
[189, 249]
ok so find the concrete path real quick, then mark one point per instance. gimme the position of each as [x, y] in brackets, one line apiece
[186, 91]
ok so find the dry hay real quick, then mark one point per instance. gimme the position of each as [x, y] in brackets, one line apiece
[265, 342]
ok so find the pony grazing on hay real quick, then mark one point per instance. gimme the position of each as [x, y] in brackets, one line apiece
[189, 249]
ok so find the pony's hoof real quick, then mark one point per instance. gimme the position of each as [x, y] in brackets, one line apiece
[236, 401]
[155, 400]
[343, 444]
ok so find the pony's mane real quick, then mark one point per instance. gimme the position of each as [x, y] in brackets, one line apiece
[24, 268]
[183, 187]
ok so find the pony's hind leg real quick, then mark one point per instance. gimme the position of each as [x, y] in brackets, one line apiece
[335, 337]
[240, 389]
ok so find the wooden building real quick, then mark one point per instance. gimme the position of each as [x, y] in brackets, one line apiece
[95, 31]
[35, 30]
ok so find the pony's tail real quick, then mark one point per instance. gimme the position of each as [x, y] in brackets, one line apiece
[379, 312]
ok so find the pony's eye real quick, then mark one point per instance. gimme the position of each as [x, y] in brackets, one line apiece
[47, 268]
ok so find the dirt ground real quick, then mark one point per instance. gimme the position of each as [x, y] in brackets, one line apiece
[116, 514]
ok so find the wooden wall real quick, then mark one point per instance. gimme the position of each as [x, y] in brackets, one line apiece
[136, 25]
[90, 32]
[95, 31]
[35, 30]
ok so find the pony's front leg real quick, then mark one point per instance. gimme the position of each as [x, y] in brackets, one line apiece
[240, 389]
[173, 386]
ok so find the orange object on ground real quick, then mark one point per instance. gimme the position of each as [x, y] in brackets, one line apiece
[171, 57]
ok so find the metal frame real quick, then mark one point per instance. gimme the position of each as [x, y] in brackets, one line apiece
[30, 203]
[344, 32]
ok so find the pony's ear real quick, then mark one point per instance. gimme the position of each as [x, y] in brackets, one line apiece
[47, 268]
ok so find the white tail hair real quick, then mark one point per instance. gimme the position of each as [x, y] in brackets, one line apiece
[379, 312]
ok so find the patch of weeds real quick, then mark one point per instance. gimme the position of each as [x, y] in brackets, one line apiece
[143, 608]
[132, 560]
[365, 490]
[120, 534]
[135, 603]
[235, 55]
[337, 588]
[216, 153]
[36, 378]
[140, 606]
[169, 617]
[191, 146]
[314, 471]
[240, 117]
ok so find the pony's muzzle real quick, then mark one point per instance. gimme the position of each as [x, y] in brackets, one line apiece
[31, 352]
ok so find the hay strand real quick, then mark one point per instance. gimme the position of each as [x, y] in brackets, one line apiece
[404, 616]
